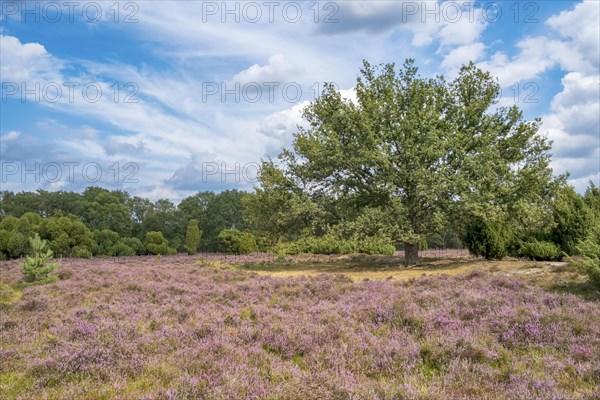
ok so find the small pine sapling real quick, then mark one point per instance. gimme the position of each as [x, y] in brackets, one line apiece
[36, 267]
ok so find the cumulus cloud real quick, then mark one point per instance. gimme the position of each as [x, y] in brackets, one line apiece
[462, 55]
[25, 62]
[278, 69]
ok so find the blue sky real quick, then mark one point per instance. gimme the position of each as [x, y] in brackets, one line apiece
[184, 96]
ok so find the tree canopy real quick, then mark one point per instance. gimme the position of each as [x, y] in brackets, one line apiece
[421, 148]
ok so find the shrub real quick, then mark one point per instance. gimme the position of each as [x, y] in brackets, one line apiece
[157, 244]
[376, 245]
[65, 233]
[539, 250]
[572, 218]
[330, 244]
[487, 239]
[247, 243]
[81, 252]
[106, 242]
[234, 241]
[17, 245]
[192, 237]
[589, 249]
[121, 249]
[136, 244]
[36, 266]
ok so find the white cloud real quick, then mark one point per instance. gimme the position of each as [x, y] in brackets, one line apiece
[463, 31]
[462, 55]
[278, 69]
[25, 62]
[12, 135]
[581, 26]
[573, 125]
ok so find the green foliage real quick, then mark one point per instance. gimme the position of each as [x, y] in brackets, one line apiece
[81, 252]
[106, 242]
[192, 237]
[36, 267]
[589, 249]
[414, 146]
[135, 244]
[376, 245]
[487, 239]
[157, 244]
[64, 233]
[330, 244]
[234, 241]
[17, 245]
[224, 211]
[9, 223]
[4, 238]
[247, 244]
[540, 250]
[279, 211]
[572, 218]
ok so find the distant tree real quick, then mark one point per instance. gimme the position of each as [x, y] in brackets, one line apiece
[224, 211]
[280, 211]
[192, 237]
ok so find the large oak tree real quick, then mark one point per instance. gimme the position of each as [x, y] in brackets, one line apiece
[422, 149]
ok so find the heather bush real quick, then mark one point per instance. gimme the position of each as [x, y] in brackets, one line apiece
[37, 266]
[195, 331]
[539, 250]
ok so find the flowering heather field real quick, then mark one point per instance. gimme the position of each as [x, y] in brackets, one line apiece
[172, 328]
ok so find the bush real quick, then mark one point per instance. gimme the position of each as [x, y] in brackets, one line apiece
[589, 249]
[234, 241]
[81, 252]
[486, 239]
[375, 245]
[247, 243]
[156, 244]
[106, 242]
[573, 220]
[17, 245]
[136, 244]
[539, 250]
[192, 237]
[121, 249]
[36, 266]
[330, 244]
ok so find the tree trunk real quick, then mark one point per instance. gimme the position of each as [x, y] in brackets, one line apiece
[411, 253]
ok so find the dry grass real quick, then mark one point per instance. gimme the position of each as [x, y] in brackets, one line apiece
[554, 276]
